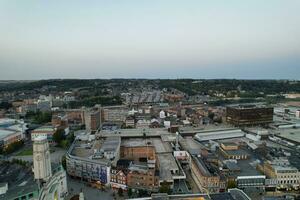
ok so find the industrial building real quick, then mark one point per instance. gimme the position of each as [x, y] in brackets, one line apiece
[218, 134]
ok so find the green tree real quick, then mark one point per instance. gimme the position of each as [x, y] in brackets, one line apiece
[39, 117]
[165, 188]
[13, 147]
[120, 192]
[211, 115]
[231, 184]
[129, 192]
[59, 136]
[64, 162]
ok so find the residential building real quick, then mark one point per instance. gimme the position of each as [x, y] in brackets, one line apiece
[205, 177]
[118, 179]
[139, 150]
[130, 122]
[115, 113]
[140, 176]
[232, 151]
[92, 119]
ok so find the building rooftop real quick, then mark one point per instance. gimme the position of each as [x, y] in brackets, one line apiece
[6, 132]
[202, 166]
[40, 138]
[292, 134]
[20, 180]
[94, 150]
[136, 142]
[138, 167]
[138, 132]
[160, 146]
[44, 129]
[166, 164]
[248, 106]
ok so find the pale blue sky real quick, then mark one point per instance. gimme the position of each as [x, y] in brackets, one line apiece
[150, 39]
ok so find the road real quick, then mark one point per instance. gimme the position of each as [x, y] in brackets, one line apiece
[76, 186]
[55, 156]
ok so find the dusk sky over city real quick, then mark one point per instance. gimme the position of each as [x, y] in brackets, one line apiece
[251, 39]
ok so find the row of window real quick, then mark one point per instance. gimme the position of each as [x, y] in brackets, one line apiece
[30, 196]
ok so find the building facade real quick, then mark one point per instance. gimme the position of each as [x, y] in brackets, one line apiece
[248, 115]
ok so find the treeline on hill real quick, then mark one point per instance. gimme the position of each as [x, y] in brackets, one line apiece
[56, 84]
[189, 86]
[254, 87]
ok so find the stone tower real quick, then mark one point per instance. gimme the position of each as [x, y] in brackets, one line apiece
[41, 159]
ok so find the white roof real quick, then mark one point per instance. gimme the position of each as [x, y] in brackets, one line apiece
[40, 138]
[249, 177]
[4, 133]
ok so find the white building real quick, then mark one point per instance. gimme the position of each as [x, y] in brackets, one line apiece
[219, 134]
[162, 114]
[298, 113]
[287, 176]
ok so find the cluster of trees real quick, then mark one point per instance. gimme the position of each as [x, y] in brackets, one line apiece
[12, 147]
[62, 140]
[5, 105]
[93, 100]
[165, 188]
[39, 117]
[138, 193]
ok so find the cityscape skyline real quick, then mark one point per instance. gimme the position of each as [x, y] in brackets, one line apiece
[139, 39]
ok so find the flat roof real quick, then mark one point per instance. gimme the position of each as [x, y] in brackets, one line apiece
[191, 145]
[88, 150]
[6, 132]
[20, 180]
[248, 106]
[136, 142]
[44, 128]
[291, 134]
[166, 164]
[160, 146]
[137, 132]
[138, 167]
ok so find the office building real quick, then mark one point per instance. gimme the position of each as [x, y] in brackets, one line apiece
[249, 115]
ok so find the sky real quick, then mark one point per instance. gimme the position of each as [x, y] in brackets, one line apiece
[249, 39]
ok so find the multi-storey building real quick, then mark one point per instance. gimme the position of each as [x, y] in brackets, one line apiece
[245, 115]
[118, 179]
[91, 160]
[92, 119]
[139, 150]
[203, 176]
[115, 113]
[142, 177]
